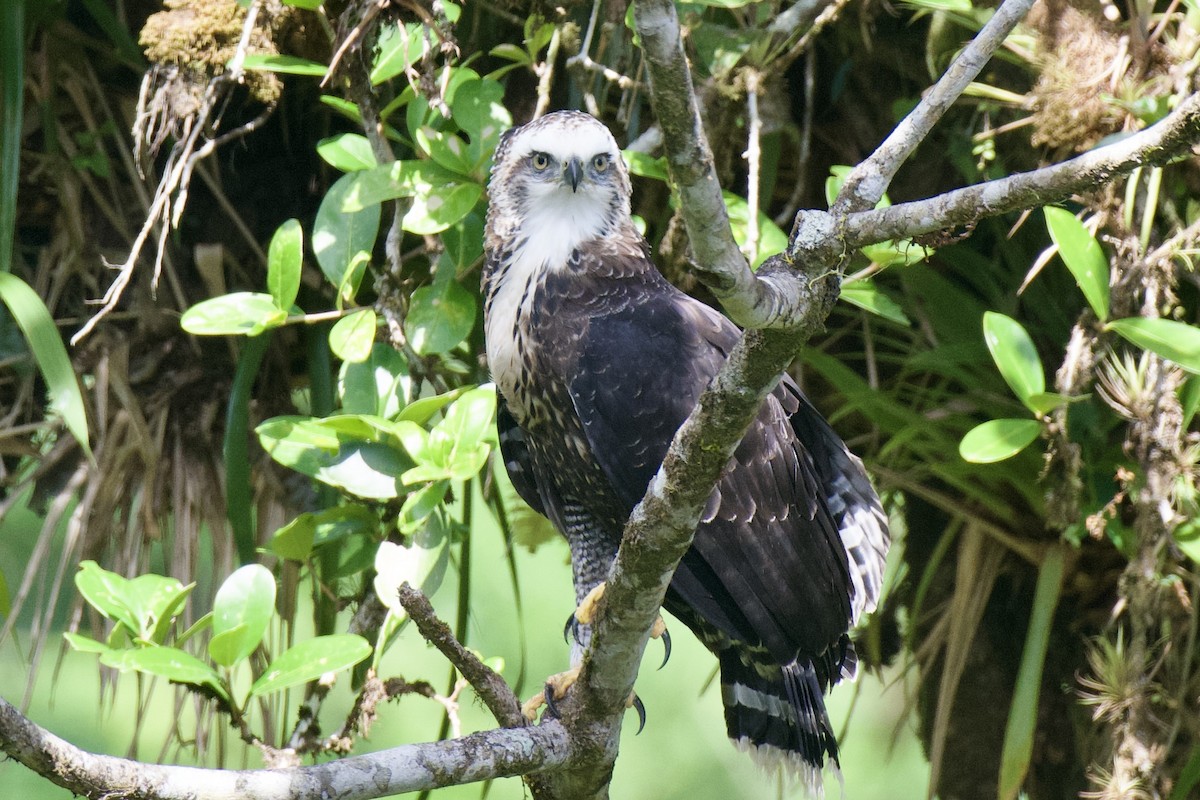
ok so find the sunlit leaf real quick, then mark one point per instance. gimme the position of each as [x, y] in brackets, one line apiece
[1014, 354]
[107, 592]
[45, 343]
[1174, 341]
[1187, 537]
[310, 660]
[399, 47]
[170, 663]
[353, 336]
[867, 296]
[291, 65]
[1082, 254]
[284, 260]
[242, 609]
[422, 564]
[237, 314]
[998, 439]
[379, 384]
[439, 317]
[348, 152]
[340, 234]
[434, 212]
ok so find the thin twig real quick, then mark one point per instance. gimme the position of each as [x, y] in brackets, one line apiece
[486, 682]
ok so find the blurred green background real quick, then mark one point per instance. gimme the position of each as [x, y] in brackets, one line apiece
[682, 753]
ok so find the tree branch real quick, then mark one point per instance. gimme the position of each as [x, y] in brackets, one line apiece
[1171, 137]
[490, 687]
[481, 756]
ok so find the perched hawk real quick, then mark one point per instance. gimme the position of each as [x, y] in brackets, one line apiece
[598, 361]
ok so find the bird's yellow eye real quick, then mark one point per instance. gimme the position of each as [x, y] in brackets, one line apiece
[540, 161]
[600, 163]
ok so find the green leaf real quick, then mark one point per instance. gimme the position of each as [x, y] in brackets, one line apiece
[420, 411]
[284, 260]
[237, 314]
[242, 609]
[645, 166]
[1023, 716]
[422, 564]
[1044, 402]
[464, 242]
[399, 46]
[340, 234]
[365, 469]
[420, 504]
[771, 239]
[353, 336]
[310, 5]
[1187, 536]
[439, 317]
[867, 296]
[434, 212]
[390, 181]
[45, 342]
[378, 385]
[447, 149]
[292, 65]
[1082, 254]
[107, 592]
[154, 600]
[348, 152]
[170, 663]
[1014, 354]
[310, 660]
[998, 439]
[84, 644]
[478, 108]
[1174, 341]
[1189, 777]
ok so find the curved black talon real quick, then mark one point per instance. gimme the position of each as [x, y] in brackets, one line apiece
[641, 712]
[571, 629]
[548, 694]
[666, 638]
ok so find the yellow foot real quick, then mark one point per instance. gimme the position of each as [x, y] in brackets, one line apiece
[586, 613]
[555, 689]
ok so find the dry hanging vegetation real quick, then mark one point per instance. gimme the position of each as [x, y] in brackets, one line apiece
[1045, 595]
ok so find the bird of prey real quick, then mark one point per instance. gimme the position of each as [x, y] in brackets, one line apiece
[597, 361]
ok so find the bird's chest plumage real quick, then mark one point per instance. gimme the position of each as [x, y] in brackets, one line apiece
[536, 325]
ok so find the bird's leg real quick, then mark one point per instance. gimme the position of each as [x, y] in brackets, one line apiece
[588, 610]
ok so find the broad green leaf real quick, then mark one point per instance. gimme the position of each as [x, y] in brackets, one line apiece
[422, 564]
[170, 663]
[439, 317]
[107, 592]
[455, 449]
[464, 242]
[348, 152]
[645, 166]
[1174, 341]
[310, 530]
[901, 253]
[478, 108]
[358, 453]
[340, 234]
[1082, 254]
[292, 65]
[399, 179]
[310, 5]
[153, 600]
[420, 411]
[49, 353]
[1023, 714]
[284, 260]
[867, 296]
[237, 314]
[447, 149]
[1014, 354]
[379, 385]
[434, 212]
[242, 608]
[998, 439]
[353, 336]
[351, 557]
[310, 660]
[1189, 399]
[399, 47]
[366, 469]
[420, 504]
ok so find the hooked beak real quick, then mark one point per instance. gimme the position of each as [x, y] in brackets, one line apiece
[573, 171]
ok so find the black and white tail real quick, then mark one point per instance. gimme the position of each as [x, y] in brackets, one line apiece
[777, 714]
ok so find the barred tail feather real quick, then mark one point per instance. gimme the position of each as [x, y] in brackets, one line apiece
[779, 717]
